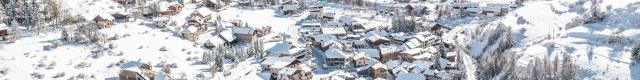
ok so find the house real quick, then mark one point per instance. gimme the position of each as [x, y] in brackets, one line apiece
[335, 58]
[288, 8]
[408, 55]
[388, 52]
[412, 43]
[245, 34]
[329, 16]
[227, 36]
[310, 28]
[322, 38]
[104, 20]
[360, 59]
[275, 64]
[379, 70]
[371, 53]
[199, 17]
[131, 75]
[377, 38]
[190, 33]
[316, 12]
[169, 8]
[410, 76]
[215, 4]
[293, 74]
[359, 44]
[4, 32]
[492, 11]
[161, 22]
[337, 31]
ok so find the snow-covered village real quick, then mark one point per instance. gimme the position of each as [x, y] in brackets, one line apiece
[319, 40]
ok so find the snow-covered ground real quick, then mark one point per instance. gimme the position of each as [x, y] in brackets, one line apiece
[542, 35]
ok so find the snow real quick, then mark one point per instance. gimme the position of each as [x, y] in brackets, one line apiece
[334, 53]
[410, 76]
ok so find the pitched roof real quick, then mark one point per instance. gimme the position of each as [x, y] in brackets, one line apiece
[379, 66]
[324, 37]
[227, 36]
[410, 76]
[334, 53]
[385, 49]
[374, 53]
[243, 30]
[278, 62]
[280, 48]
[334, 31]
[287, 71]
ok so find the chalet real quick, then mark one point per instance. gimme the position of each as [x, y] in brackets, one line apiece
[215, 4]
[408, 55]
[288, 8]
[199, 17]
[410, 76]
[123, 2]
[131, 75]
[169, 8]
[335, 58]
[227, 36]
[161, 22]
[4, 32]
[190, 33]
[388, 52]
[492, 11]
[245, 34]
[359, 44]
[276, 64]
[411, 44]
[328, 16]
[322, 38]
[310, 28]
[337, 31]
[379, 70]
[316, 12]
[371, 53]
[331, 44]
[104, 20]
[377, 37]
[294, 74]
[360, 59]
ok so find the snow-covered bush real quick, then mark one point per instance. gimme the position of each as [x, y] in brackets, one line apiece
[58, 75]
[37, 75]
[4, 71]
[83, 65]
[163, 48]
[635, 53]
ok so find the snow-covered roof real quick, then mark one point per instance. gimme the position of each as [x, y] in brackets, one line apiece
[475, 10]
[393, 63]
[379, 66]
[407, 65]
[287, 71]
[334, 53]
[328, 14]
[399, 70]
[161, 19]
[374, 53]
[423, 56]
[324, 37]
[190, 29]
[410, 76]
[334, 31]
[227, 36]
[311, 24]
[290, 7]
[346, 19]
[278, 62]
[280, 48]
[385, 49]
[412, 43]
[414, 51]
[243, 30]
